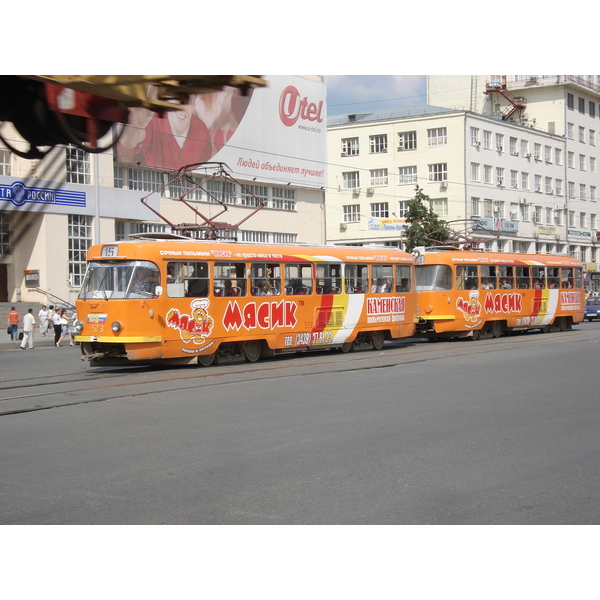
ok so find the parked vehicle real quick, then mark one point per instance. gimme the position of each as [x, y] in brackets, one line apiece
[592, 308]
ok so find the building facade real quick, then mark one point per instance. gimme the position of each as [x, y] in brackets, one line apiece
[272, 143]
[516, 159]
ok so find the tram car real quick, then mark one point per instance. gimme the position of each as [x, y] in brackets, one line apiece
[172, 299]
[483, 294]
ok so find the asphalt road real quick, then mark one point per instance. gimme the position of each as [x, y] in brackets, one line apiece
[491, 432]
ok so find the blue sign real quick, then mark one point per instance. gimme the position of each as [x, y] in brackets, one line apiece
[20, 194]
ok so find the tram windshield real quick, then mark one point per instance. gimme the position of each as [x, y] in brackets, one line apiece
[433, 277]
[106, 280]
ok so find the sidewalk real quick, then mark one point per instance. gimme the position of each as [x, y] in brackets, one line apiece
[38, 341]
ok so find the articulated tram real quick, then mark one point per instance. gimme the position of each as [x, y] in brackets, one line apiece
[485, 294]
[179, 300]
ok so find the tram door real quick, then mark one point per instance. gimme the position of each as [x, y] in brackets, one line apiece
[3, 283]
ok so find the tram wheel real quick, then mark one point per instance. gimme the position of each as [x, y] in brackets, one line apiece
[252, 350]
[562, 324]
[496, 328]
[476, 334]
[347, 347]
[207, 359]
[377, 339]
[545, 329]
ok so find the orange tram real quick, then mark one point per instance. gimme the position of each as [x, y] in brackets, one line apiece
[171, 299]
[486, 294]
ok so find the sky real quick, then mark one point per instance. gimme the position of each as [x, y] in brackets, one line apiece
[356, 93]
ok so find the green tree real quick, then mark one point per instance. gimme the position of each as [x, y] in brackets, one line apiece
[423, 223]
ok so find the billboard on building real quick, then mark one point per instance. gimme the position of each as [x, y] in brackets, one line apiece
[273, 134]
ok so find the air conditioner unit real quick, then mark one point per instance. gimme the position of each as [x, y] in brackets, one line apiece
[500, 180]
[538, 188]
[370, 190]
[477, 144]
[513, 215]
[443, 185]
[343, 226]
[499, 148]
[356, 191]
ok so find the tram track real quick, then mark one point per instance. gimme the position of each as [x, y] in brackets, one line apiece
[37, 395]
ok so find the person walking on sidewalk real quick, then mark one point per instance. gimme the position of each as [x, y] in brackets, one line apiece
[56, 324]
[43, 315]
[64, 327]
[13, 323]
[28, 329]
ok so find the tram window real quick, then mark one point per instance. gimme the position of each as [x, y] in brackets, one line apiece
[106, 280]
[265, 279]
[329, 278]
[144, 280]
[523, 278]
[298, 279]
[229, 279]
[187, 279]
[467, 277]
[357, 278]
[553, 277]
[382, 279]
[566, 279]
[506, 276]
[488, 277]
[403, 283]
[578, 278]
[538, 275]
[429, 278]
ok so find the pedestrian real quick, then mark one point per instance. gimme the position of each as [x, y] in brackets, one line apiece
[28, 329]
[56, 325]
[13, 323]
[64, 327]
[43, 315]
[72, 320]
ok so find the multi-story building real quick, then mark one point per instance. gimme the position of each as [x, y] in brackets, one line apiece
[516, 157]
[272, 142]
[567, 106]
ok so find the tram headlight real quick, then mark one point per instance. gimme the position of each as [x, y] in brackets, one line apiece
[116, 326]
[78, 326]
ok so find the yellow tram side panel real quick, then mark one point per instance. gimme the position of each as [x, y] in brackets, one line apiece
[165, 328]
[462, 311]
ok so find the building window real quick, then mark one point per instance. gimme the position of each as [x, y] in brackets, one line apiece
[537, 151]
[499, 175]
[538, 183]
[407, 175]
[402, 208]
[474, 171]
[350, 147]
[592, 137]
[499, 142]
[438, 172]
[558, 187]
[582, 191]
[571, 160]
[513, 146]
[593, 193]
[558, 156]
[437, 137]
[378, 143]
[283, 199]
[592, 221]
[380, 209]
[548, 154]
[5, 162]
[474, 136]
[487, 174]
[582, 162]
[548, 182]
[592, 107]
[4, 234]
[475, 207]
[571, 131]
[351, 213]
[514, 179]
[379, 177]
[592, 164]
[524, 210]
[252, 193]
[220, 191]
[582, 135]
[488, 208]
[350, 180]
[582, 220]
[558, 216]
[524, 148]
[80, 239]
[487, 139]
[439, 206]
[407, 140]
[123, 229]
[571, 189]
[78, 165]
[144, 180]
[571, 218]
[524, 181]
[570, 101]
[581, 105]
